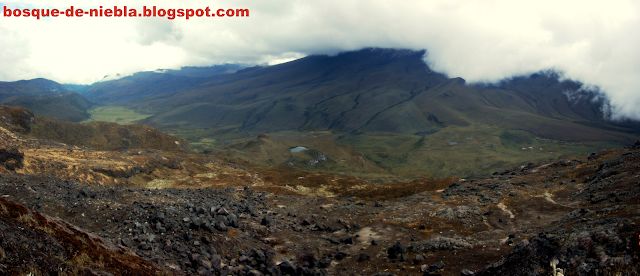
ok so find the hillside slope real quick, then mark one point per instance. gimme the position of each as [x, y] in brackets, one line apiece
[70, 106]
[97, 135]
[202, 215]
[34, 87]
[35, 244]
[148, 83]
[381, 91]
[46, 98]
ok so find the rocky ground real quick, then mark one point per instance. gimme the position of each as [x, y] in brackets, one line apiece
[198, 215]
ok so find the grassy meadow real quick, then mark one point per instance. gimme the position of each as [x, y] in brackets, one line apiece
[464, 151]
[115, 114]
[451, 151]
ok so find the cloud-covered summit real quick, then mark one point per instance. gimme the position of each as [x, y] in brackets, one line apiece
[481, 41]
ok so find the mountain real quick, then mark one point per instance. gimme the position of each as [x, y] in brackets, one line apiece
[106, 199]
[46, 98]
[69, 106]
[392, 108]
[386, 104]
[143, 84]
[30, 88]
[380, 91]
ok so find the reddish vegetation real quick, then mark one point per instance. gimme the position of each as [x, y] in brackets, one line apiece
[283, 176]
[99, 135]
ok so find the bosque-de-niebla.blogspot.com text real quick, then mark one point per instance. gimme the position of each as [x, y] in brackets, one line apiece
[125, 11]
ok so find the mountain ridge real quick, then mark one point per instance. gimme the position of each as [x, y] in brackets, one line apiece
[379, 90]
[46, 98]
[148, 83]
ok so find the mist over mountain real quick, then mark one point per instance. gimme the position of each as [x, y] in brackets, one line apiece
[385, 106]
[142, 84]
[381, 90]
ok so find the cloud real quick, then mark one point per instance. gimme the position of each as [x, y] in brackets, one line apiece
[593, 42]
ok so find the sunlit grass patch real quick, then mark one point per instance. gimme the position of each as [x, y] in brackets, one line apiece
[115, 114]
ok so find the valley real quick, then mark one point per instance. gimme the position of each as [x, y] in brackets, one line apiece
[366, 162]
[373, 102]
[478, 150]
[162, 210]
[115, 114]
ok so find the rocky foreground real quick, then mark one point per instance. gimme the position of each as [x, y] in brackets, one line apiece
[577, 215]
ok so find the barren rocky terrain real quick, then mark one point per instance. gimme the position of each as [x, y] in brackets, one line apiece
[73, 210]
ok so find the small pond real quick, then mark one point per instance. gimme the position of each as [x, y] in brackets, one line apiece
[298, 149]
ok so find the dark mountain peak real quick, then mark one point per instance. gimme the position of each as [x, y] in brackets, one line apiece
[549, 74]
[369, 55]
[384, 53]
[364, 61]
[38, 82]
[539, 80]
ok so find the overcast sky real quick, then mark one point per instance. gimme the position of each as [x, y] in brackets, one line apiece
[596, 42]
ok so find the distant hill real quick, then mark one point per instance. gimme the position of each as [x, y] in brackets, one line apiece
[46, 98]
[148, 83]
[31, 88]
[67, 106]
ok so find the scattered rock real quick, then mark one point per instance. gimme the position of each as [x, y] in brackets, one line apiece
[266, 221]
[466, 272]
[396, 250]
[363, 257]
[437, 266]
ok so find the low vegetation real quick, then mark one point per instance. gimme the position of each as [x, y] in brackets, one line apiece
[115, 114]
[464, 151]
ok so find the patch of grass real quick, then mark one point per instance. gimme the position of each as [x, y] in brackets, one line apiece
[396, 190]
[115, 114]
[516, 139]
[464, 151]
[27, 218]
[204, 139]
[4, 209]
[49, 230]
[387, 157]
[478, 150]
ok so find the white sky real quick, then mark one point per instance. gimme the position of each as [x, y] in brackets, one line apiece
[596, 42]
